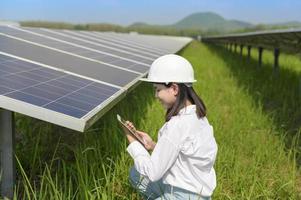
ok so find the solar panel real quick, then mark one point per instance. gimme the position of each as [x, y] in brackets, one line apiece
[46, 88]
[103, 41]
[166, 44]
[71, 78]
[287, 40]
[126, 53]
[111, 37]
[74, 47]
[70, 62]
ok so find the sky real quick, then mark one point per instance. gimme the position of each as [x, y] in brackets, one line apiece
[163, 12]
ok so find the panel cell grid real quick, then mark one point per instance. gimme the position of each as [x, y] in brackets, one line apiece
[51, 89]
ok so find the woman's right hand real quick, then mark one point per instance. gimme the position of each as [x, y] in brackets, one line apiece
[149, 144]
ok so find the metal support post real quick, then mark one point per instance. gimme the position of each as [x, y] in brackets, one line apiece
[7, 160]
[276, 60]
[241, 49]
[260, 50]
[249, 52]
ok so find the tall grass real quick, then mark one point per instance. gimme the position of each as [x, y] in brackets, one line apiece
[248, 127]
[254, 160]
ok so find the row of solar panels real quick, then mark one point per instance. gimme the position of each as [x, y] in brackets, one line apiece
[71, 78]
[287, 40]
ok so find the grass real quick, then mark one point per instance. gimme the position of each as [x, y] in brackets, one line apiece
[254, 115]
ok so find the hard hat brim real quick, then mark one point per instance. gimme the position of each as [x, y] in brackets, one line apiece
[153, 81]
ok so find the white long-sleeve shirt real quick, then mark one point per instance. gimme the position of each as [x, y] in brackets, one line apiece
[183, 156]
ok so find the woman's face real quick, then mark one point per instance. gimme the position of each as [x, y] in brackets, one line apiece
[166, 95]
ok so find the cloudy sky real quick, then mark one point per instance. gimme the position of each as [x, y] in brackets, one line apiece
[125, 12]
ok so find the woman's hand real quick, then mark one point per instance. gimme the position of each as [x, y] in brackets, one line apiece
[130, 125]
[128, 135]
[149, 144]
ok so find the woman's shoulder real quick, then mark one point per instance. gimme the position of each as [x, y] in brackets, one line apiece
[174, 128]
[189, 119]
[191, 125]
[178, 122]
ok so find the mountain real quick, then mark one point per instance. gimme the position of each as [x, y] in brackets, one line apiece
[205, 21]
[210, 21]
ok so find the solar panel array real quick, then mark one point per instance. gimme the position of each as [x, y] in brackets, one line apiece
[287, 40]
[70, 78]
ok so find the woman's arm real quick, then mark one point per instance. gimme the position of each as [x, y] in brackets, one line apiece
[155, 165]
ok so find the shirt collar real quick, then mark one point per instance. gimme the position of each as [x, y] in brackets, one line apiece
[188, 110]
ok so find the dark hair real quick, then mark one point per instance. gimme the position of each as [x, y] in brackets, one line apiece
[185, 93]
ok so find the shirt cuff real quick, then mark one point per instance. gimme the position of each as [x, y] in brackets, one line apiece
[136, 149]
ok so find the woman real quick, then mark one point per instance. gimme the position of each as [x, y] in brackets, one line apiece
[181, 163]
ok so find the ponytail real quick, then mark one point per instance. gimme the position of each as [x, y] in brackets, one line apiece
[199, 104]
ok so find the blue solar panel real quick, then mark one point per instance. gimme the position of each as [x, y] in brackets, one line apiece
[27, 98]
[102, 41]
[44, 73]
[4, 90]
[36, 91]
[15, 83]
[76, 103]
[51, 89]
[129, 65]
[34, 76]
[114, 61]
[93, 53]
[2, 73]
[97, 45]
[4, 58]
[74, 64]
[66, 110]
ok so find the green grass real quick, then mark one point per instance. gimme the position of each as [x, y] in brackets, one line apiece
[254, 115]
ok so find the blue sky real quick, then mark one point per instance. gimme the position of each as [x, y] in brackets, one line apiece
[125, 12]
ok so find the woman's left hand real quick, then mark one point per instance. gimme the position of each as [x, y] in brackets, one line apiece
[128, 135]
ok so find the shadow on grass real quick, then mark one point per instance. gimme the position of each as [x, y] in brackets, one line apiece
[279, 94]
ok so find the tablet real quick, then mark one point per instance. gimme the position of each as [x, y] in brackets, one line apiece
[123, 123]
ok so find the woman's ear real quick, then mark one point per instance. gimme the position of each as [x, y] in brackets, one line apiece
[175, 89]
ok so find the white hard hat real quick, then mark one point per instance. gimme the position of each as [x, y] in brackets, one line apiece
[170, 68]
